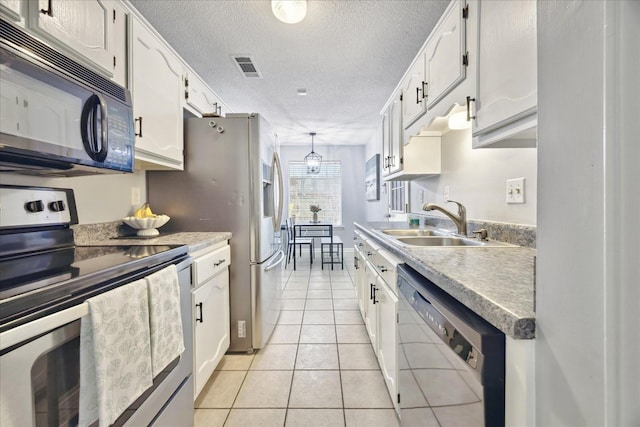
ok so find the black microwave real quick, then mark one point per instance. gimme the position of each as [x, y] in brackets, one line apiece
[57, 117]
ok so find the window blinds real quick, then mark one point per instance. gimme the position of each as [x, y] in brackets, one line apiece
[323, 189]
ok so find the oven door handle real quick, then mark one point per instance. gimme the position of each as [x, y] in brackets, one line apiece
[40, 326]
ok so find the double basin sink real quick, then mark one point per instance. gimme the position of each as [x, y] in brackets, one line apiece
[435, 237]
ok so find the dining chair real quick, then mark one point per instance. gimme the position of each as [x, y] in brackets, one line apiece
[299, 241]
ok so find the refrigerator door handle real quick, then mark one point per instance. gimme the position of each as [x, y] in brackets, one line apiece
[279, 258]
[277, 169]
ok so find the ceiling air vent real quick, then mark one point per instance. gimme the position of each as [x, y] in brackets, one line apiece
[247, 67]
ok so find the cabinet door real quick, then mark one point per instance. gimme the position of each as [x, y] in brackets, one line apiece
[13, 10]
[444, 55]
[212, 327]
[84, 27]
[157, 101]
[371, 310]
[507, 88]
[198, 95]
[388, 337]
[360, 282]
[385, 143]
[395, 135]
[413, 88]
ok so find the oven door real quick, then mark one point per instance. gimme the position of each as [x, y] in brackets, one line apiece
[41, 373]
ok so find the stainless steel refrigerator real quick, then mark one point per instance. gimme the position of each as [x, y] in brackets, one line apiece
[232, 182]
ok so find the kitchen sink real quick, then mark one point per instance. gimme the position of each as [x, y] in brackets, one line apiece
[412, 232]
[447, 241]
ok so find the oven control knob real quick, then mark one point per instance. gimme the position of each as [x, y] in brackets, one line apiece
[57, 206]
[34, 206]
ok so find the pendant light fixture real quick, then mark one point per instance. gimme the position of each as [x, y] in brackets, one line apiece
[313, 160]
[289, 11]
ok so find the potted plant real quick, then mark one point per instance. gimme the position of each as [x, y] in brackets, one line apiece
[315, 209]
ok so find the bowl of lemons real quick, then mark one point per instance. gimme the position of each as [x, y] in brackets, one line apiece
[145, 221]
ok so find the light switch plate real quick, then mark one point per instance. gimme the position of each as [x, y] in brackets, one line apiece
[515, 190]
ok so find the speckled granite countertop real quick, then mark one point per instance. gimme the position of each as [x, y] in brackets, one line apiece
[195, 240]
[495, 282]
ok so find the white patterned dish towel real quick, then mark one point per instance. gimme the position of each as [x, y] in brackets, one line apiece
[115, 353]
[167, 341]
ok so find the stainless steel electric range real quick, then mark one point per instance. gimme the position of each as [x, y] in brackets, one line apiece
[45, 280]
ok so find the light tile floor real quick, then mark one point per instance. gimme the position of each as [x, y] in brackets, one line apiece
[318, 368]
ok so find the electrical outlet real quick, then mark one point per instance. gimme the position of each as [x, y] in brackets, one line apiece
[446, 192]
[135, 196]
[515, 190]
[242, 329]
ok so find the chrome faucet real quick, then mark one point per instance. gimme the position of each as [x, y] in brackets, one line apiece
[460, 221]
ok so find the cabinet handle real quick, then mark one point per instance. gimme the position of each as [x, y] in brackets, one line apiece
[374, 289]
[417, 95]
[382, 268]
[424, 89]
[139, 121]
[469, 101]
[219, 110]
[370, 290]
[221, 261]
[49, 9]
[199, 319]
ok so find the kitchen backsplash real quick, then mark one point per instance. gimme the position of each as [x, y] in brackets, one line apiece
[516, 234]
[87, 233]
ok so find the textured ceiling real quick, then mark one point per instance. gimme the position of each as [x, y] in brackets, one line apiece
[349, 55]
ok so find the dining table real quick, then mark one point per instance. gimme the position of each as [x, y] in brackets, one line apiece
[310, 229]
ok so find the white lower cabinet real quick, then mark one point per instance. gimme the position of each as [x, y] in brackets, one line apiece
[210, 298]
[376, 286]
[387, 337]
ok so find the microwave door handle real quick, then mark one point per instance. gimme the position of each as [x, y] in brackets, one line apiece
[96, 147]
[103, 141]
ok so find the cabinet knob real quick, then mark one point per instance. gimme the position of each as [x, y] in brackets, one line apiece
[221, 261]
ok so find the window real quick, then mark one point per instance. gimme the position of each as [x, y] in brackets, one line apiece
[323, 189]
[398, 196]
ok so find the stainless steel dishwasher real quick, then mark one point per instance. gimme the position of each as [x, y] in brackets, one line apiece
[451, 361]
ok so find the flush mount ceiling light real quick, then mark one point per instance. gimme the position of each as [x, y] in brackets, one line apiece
[289, 11]
[313, 160]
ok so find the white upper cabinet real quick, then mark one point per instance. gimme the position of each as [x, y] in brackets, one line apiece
[87, 30]
[446, 54]
[13, 10]
[506, 98]
[199, 97]
[157, 101]
[413, 92]
[392, 137]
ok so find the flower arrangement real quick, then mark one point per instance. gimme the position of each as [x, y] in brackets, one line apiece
[314, 208]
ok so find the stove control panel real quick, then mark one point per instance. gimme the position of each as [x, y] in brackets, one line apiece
[36, 206]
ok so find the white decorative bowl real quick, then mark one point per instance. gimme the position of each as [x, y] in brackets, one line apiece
[147, 226]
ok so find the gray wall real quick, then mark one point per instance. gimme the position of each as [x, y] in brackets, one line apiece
[100, 198]
[353, 159]
[588, 201]
[477, 179]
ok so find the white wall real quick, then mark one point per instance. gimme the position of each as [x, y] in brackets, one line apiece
[353, 197]
[375, 210]
[477, 179]
[587, 340]
[100, 198]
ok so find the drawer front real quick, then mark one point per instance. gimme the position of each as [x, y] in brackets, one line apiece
[370, 252]
[387, 267]
[210, 264]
